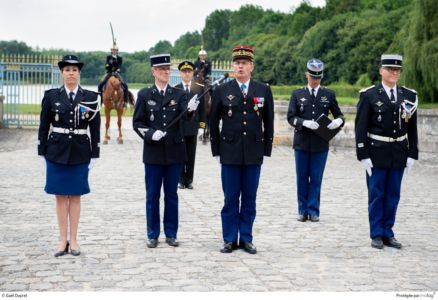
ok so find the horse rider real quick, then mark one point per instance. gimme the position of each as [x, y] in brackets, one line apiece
[193, 126]
[113, 66]
[203, 67]
[156, 121]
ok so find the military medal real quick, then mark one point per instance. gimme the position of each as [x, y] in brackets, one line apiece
[301, 107]
[152, 118]
[379, 118]
[256, 107]
[56, 117]
[230, 112]
[87, 115]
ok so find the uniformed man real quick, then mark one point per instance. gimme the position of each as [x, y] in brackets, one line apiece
[203, 66]
[113, 66]
[246, 109]
[68, 113]
[386, 144]
[156, 121]
[193, 126]
[311, 150]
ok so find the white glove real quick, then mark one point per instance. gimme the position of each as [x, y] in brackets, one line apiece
[311, 124]
[158, 135]
[409, 164]
[193, 104]
[200, 132]
[367, 165]
[93, 162]
[218, 159]
[335, 124]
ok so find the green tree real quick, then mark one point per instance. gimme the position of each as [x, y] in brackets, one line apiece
[421, 50]
[216, 29]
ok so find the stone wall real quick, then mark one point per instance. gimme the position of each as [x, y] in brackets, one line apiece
[427, 128]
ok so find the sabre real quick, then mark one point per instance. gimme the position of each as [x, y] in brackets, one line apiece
[112, 33]
[217, 82]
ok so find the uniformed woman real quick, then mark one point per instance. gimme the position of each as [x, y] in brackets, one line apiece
[66, 115]
[307, 104]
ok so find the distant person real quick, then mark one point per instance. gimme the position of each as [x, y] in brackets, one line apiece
[113, 67]
[193, 126]
[164, 150]
[386, 145]
[311, 150]
[245, 108]
[203, 67]
[69, 152]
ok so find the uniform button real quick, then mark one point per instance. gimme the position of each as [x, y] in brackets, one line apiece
[313, 112]
[164, 124]
[313, 105]
[395, 113]
[69, 136]
[244, 102]
[71, 112]
[394, 122]
[71, 129]
[71, 121]
[164, 116]
[244, 112]
[164, 108]
[244, 123]
[394, 131]
[244, 133]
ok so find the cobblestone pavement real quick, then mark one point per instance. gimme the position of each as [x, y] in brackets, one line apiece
[332, 255]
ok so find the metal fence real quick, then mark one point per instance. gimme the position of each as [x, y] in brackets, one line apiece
[23, 80]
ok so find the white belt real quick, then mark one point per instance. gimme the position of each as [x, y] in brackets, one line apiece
[68, 131]
[386, 138]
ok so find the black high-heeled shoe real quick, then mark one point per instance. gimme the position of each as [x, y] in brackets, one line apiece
[62, 252]
[75, 252]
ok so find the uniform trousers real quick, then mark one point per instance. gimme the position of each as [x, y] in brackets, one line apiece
[155, 177]
[189, 166]
[310, 170]
[239, 183]
[383, 196]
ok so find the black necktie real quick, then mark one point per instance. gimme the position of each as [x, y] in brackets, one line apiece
[71, 97]
[392, 96]
[162, 93]
[313, 94]
[187, 88]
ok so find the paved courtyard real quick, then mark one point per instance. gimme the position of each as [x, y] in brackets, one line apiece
[332, 255]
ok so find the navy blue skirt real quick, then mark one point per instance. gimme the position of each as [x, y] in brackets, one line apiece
[69, 180]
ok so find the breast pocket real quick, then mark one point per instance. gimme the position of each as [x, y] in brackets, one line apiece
[379, 111]
[58, 113]
[230, 108]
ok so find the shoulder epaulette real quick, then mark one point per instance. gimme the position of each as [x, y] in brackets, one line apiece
[412, 90]
[366, 89]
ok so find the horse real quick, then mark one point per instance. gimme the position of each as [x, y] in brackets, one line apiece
[112, 97]
[199, 78]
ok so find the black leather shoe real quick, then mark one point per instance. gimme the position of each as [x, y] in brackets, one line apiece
[189, 186]
[391, 242]
[75, 252]
[248, 247]
[377, 243]
[228, 247]
[181, 186]
[152, 243]
[314, 218]
[301, 218]
[62, 252]
[172, 242]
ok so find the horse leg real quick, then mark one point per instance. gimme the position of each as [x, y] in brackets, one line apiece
[107, 125]
[119, 124]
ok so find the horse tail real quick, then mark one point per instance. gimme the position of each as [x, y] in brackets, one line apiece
[131, 100]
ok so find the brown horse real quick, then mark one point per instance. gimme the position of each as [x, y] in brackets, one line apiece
[113, 99]
[199, 78]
